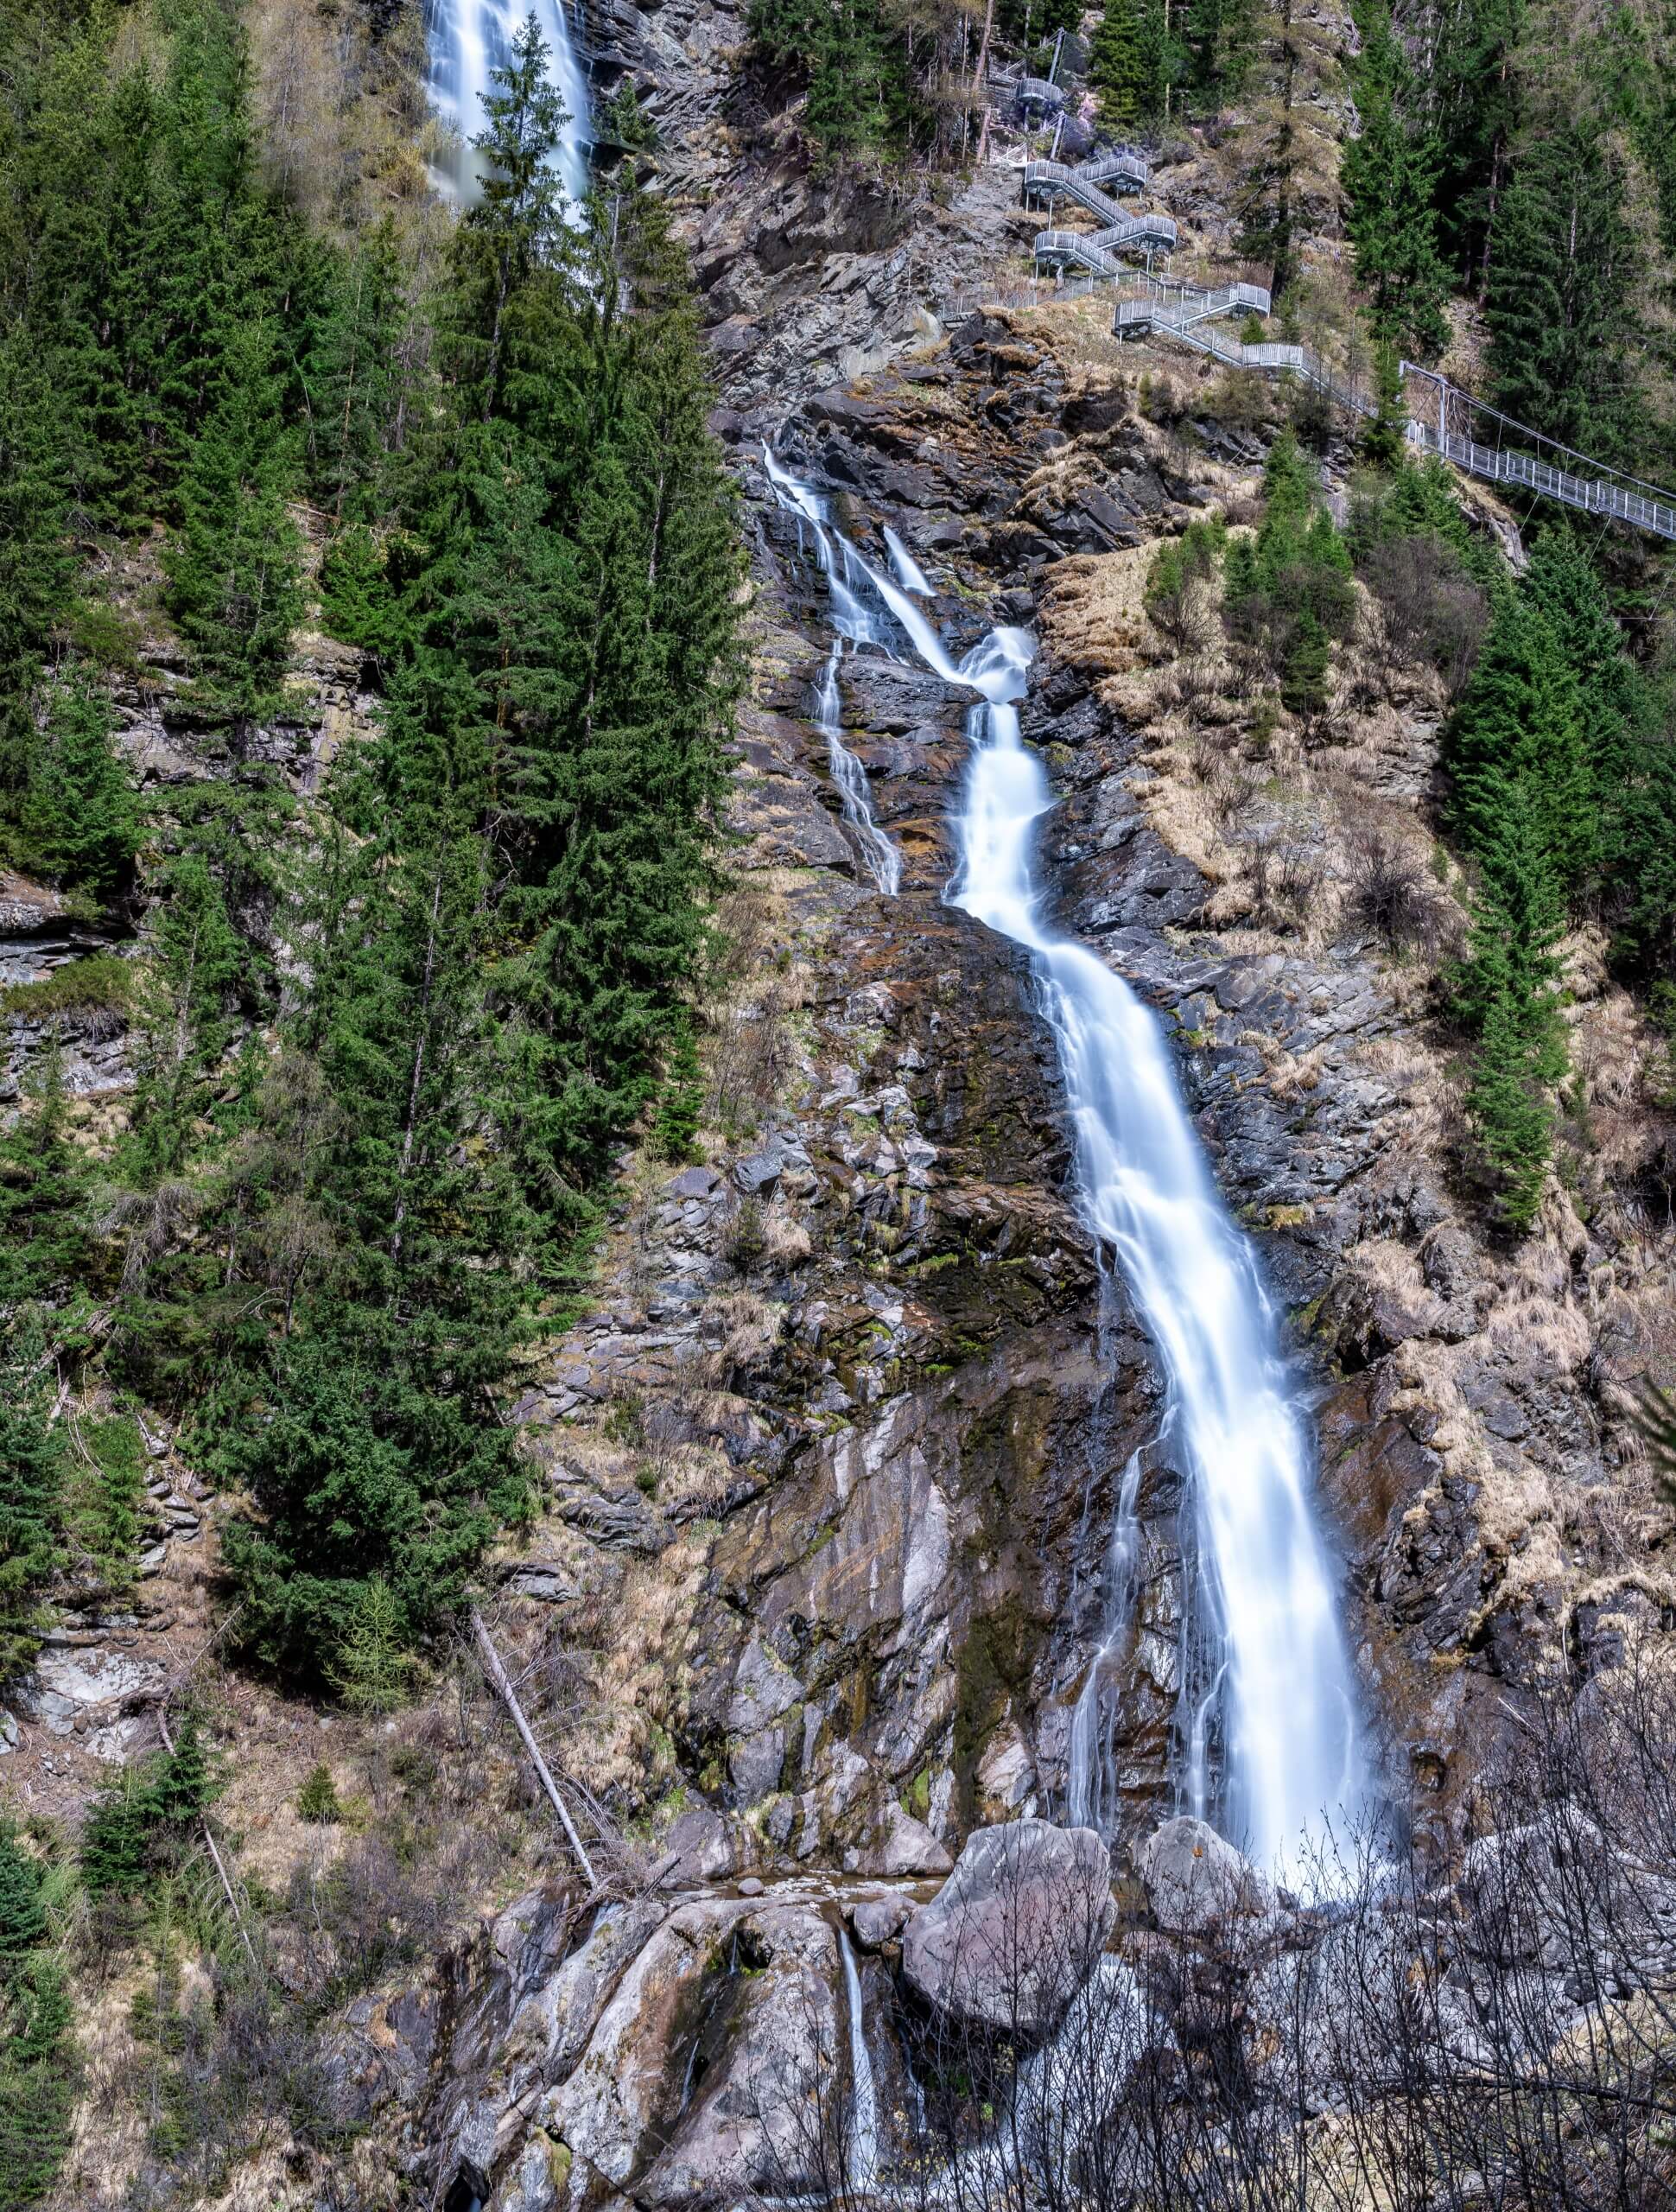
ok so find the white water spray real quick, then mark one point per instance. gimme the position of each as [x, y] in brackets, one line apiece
[909, 574]
[846, 573]
[879, 855]
[467, 39]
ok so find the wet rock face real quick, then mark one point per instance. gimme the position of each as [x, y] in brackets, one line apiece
[874, 1611]
[668, 2051]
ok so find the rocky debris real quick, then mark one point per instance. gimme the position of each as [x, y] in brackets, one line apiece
[547, 1581]
[1194, 1880]
[1016, 1929]
[26, 909]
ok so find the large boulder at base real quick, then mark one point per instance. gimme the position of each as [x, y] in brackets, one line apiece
[1194, 1879]
[1016, 1929]
[754, 2125]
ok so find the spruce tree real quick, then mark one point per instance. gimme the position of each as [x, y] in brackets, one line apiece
[1383, 441]
[353, 375]
[37, 566]
[78, 817]
[234, 567]
[1519, 724]
[1564, 306]
[1626, 714]
[31, 1496]
[38, 2058]
[1389, 176]
[517, 226]
[1127, 64]
[1505, 990]
[861, 97]
[22, 1914]
[1468, 100]
[1511, 1110]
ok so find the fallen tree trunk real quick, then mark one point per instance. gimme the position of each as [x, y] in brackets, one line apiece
[215, 1856]
[501, 1683]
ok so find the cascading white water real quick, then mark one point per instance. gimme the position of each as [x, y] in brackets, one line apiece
[853, 619]
[1264, 1596]
[879, 855]
[465, 41]
[909, 574]
[1265, 1676]
[861, 2146]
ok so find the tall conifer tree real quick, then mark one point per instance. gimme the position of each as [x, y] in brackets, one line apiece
[1388, 175]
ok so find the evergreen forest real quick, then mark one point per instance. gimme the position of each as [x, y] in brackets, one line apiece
[390, 1032]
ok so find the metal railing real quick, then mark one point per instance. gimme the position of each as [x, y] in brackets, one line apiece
[1606, 491]
[1098, 249]
[1119, 233]
[1172, 304]
[1592, 495]
[1082, 181]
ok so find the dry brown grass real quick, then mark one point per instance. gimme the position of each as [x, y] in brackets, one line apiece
[344, 125]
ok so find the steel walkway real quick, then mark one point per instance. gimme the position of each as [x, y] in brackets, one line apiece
[1606, 492]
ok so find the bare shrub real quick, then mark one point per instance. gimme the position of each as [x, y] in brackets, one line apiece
[1389, 893]
[1285, 873]
[750, 1055]
[1496, 2031]
[1230, 783]
[1431, 613]
[1193, 683]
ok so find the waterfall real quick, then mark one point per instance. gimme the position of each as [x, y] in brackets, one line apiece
[1264, 1675]
[879, 855]
[852, 618]
[861, 2148]
[1263, 1595]
[467, 39]
[909, 574]
[1090, 1787]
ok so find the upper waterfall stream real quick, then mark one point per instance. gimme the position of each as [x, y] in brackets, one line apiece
[465, 40]
[1268, 1694]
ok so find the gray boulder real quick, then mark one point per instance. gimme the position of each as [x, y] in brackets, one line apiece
[1194, 1879]
[878, 1921]
[1016, 1929]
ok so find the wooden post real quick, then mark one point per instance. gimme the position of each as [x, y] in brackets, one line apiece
[502, 1688]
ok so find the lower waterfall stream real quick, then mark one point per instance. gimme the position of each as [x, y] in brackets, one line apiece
[1266, 1680]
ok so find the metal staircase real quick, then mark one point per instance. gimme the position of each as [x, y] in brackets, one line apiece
[1175, 307]
[1096, 251]
[1122, 165]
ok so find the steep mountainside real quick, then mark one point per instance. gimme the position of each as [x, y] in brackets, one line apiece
[840, 1437]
